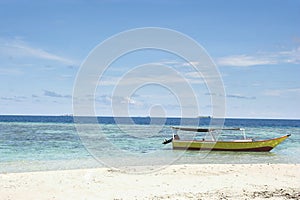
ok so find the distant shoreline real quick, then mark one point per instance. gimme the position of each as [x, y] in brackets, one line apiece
[169, 117]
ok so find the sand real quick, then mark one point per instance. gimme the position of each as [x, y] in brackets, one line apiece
[219, 181]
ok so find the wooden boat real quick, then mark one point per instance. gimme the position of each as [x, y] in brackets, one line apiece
[213, 144]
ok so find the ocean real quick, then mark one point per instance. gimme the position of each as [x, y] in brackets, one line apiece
[35, 143]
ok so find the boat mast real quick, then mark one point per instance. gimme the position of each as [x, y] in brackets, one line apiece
[174, 132]
[244, 133]
[212, 135]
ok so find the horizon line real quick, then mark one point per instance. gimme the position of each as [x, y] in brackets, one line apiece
[191, 117]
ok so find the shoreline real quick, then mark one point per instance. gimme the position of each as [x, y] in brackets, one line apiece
[187, 181]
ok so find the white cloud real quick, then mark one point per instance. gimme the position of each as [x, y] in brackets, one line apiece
[193, 63]
[235, 96]
[143, 75]
[14, 98]
[291, 56]
[107, 99]
[239, 96]
[19, 48]
[176, 73]
[277, 92]
[55, 94]
[244, 61]
[131, 101]
[10, 72]
[273, 92]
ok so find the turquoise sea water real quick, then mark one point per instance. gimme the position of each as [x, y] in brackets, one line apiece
[30, 143]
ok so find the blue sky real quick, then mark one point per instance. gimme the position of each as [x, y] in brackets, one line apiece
[255, 44]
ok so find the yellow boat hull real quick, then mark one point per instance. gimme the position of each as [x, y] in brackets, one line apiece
[262, 145]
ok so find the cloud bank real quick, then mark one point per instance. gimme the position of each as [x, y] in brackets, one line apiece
[19, 48]
[282, 57]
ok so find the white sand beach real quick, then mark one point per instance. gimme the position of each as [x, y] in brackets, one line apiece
[205, 181]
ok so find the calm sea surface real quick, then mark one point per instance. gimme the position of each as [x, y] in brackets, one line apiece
[31, 143]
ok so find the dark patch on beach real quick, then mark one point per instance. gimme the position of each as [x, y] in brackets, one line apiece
[223, 195]
[285, 194]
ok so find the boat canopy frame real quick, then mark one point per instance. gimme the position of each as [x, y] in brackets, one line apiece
[206, 130]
